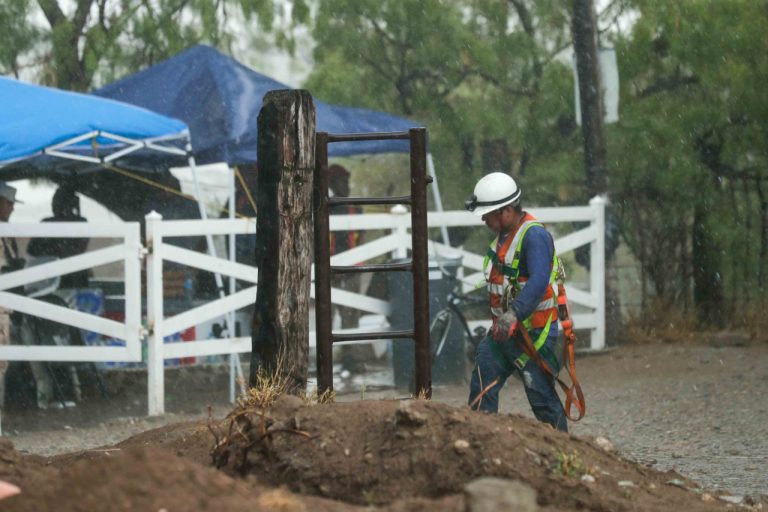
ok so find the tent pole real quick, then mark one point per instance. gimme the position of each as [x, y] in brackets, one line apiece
[436, 196]
[235, 370]
[234, 358]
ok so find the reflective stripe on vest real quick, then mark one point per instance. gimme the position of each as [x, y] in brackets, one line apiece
[521, 361]
[504, 266]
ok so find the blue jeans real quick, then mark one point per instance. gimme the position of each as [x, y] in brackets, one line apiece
[539, 388]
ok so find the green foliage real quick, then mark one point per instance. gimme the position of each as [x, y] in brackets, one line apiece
[687, 162]
[94, 42]
[567, 464]
[18, 37]
[486, 84]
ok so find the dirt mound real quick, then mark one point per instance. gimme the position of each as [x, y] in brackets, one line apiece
[374, 452]
[392, 455]
[147, 478]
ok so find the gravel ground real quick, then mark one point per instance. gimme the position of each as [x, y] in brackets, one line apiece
[698, 409]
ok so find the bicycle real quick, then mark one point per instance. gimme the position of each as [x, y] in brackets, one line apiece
[440, 326]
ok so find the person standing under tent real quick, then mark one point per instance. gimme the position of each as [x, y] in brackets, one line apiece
[12, 325]
[9, 261]
[520, 268]
[66, 208]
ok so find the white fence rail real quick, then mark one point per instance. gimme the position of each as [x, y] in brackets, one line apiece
[160, 326]
[395, 242]
[127, 250]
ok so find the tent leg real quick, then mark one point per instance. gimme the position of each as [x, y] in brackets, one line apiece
[234, 359]
[235, 368]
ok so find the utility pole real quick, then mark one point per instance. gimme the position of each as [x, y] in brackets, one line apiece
[590, 95]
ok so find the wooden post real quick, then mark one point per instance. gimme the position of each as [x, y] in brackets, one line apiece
[284, 235]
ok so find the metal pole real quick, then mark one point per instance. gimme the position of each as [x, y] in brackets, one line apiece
[420, 260]
[323, 339]
[234, 359]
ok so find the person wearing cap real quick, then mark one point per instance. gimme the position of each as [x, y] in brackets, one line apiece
[519, 267]
[9, 260]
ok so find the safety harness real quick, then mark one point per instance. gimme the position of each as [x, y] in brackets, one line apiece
[534, 349]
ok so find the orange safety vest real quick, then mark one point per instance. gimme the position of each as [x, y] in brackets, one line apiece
[501, 269]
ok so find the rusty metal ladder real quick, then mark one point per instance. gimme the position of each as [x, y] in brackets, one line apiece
[417, 265]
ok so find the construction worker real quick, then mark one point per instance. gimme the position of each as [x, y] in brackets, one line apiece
[519, 272]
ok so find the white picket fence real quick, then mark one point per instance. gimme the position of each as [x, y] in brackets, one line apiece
[395, 242]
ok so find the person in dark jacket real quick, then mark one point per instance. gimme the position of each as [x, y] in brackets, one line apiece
[66, 208]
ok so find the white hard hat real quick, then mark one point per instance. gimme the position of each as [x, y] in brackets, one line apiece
[493, 191]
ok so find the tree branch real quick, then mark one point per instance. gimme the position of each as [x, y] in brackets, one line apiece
[384, 35]
[527, 20]
[52, 11]
[668, 83]
[81, 16]
[525, 17]
[525, 91]
[615, 18]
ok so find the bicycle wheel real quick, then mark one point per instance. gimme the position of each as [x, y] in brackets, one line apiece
[438, 331]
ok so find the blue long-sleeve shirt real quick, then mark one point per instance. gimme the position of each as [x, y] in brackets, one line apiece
[536, 256]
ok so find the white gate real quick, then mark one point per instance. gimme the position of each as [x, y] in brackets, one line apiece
[127, 250]
[160, 326]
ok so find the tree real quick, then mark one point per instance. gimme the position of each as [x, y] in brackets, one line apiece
[482, 75]
[690, 156]
[95, 41]
[17, 36]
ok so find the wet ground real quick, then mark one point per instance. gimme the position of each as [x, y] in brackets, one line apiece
[698, 409]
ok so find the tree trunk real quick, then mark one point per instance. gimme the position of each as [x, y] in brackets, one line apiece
[590, 95]
[284, 236]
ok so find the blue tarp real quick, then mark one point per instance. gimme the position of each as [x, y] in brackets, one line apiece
[33, 118]
[219, 98]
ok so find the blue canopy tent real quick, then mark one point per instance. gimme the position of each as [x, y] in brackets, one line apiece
[220, 99]
[38, 121]
[46, 132]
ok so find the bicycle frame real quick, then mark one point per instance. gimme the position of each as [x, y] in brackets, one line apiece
[455, 300]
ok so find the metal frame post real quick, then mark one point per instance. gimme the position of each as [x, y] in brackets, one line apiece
[418, 265]
[420, 259]
[323, 335]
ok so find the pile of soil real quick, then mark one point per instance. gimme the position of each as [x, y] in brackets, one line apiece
[385, 455]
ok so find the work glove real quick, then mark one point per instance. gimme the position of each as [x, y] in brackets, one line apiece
[505, 326]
